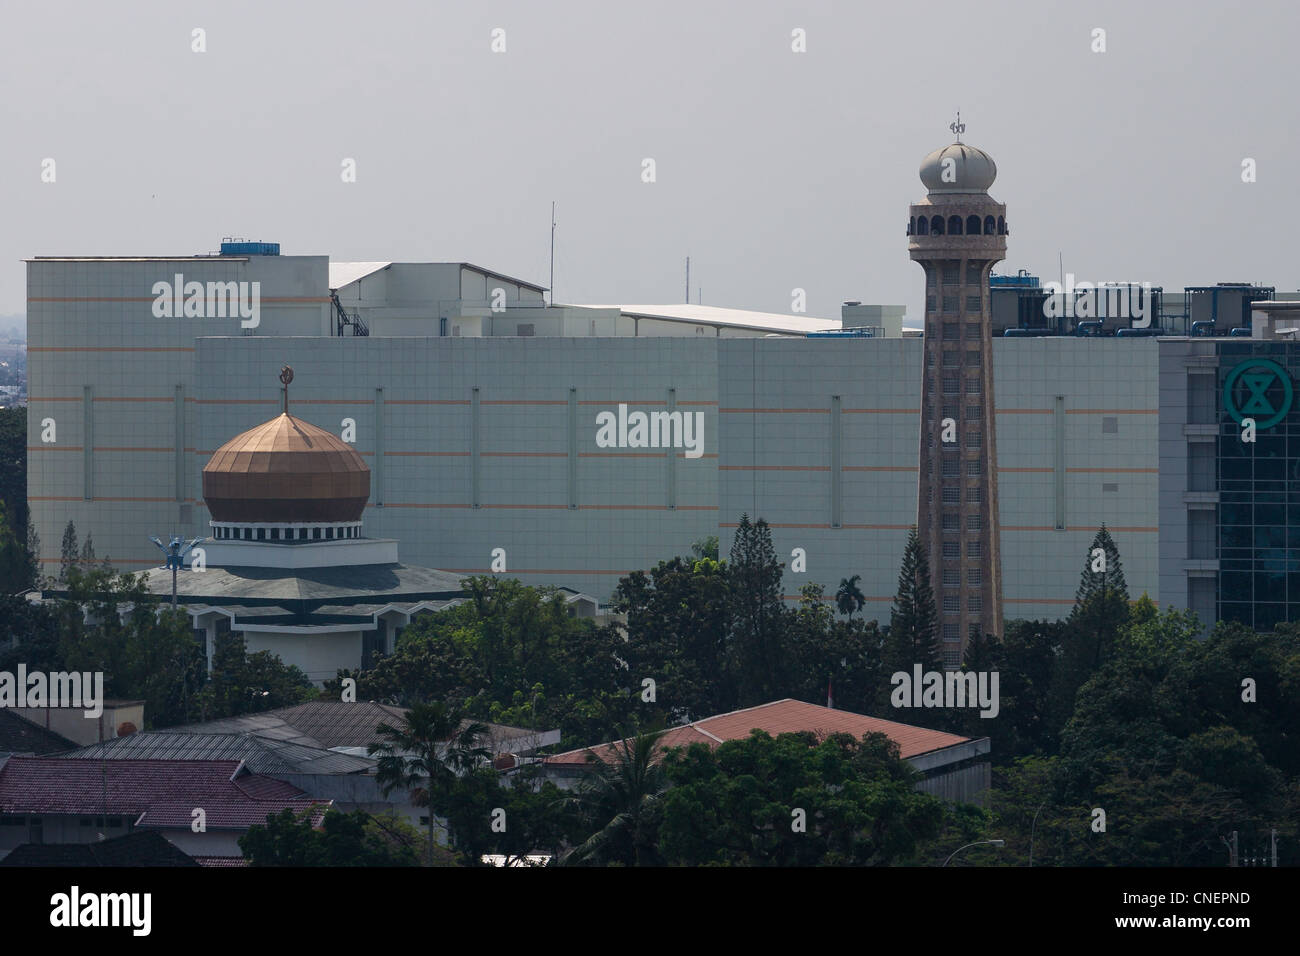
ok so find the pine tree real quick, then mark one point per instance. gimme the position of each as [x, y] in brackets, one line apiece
[1102, 573]
[68, 552]
[34, 555]
[758, 616]
[913, 632]
[87, 560]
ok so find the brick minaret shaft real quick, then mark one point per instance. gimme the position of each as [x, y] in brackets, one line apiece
[957, 233]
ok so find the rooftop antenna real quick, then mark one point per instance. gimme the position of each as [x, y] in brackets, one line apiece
[552, 289]
[688, 280]
[958, 127]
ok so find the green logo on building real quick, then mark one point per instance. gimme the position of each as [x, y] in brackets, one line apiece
[1259, 389]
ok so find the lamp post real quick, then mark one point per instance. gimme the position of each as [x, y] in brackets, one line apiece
[976, 843]
[175, 552]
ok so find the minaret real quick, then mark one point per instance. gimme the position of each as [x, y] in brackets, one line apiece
[957, 232]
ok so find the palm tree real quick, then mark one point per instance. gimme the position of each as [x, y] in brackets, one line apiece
[849, 598]
[622, 797]
[426, 755]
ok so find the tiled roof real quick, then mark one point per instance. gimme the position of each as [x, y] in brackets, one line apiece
[780, 717]
[157, 789]
[260, 754]
[220, 861]
[134, 849]
[19, 735]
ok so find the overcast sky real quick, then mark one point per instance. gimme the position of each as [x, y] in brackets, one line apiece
[774, 169]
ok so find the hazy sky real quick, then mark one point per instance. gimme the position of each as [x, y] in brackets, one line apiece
[775, 169]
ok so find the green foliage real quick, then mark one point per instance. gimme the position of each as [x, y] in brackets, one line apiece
[913, 636]
[757, 614]
[620, 802]
[736, 805]
[243, 683]
[706, 547]
[343, 839]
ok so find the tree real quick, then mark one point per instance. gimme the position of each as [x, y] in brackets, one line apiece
[426, 754]
[17, 563]
[794, 800]
[620, 799]
[706, 547]
[243, 683]
[342, 839]
[68, 553]
[677, 635]
[758, 616]
[913, 637]
[849, 598]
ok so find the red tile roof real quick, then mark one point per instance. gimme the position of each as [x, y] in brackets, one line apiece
[785, 716]
[161, 793]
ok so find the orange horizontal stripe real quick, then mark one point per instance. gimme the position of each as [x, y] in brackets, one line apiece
[1136, 529]
[1022, 411]
[427, 454]
[88, 348]
[414, 504]
[622, 454]
[682, 454]
[524, 454]
[776, 411]
[427, 401]
[881, 411]
[331, 401]
[130, 398]
[35, 398]
[513, 401]
[129, 448]
[1112, 411]
[238, 401]
[625, 401]
[1118, 471]
[773, 468]
[1027, 471]
[877, 527]
[879, 468]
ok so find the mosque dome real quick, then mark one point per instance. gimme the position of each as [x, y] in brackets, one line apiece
[286, 470]
[971, 170]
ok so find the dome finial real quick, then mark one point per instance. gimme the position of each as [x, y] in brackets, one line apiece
[286, 376]
[958, 127]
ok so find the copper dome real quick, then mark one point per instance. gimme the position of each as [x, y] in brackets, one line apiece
[285, 470]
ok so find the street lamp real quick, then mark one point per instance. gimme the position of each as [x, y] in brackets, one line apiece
[976, 843]
[175, 554]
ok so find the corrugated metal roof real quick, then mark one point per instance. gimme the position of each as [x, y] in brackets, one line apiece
[345, 273]
[738, 318]
[260, 754]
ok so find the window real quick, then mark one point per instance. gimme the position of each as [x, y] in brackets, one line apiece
[929, 303]
[931, 278]
[951, 549]
[974, 602]
[972, 385]
[950, 386]
[1109, 487]
[442, 326]
[951, 632]
[951, 656]
[952, 603]
[949, 329]
[524, 328]
[951, 467]
[950, 358]
[952, 495]
[974, 271]
[1109, 425]
[950, 274]
[974, 412]
[973, 437]
[951, 578]
[950, 411]
[972, 303]
[974, 495]
[974, 468]
[949, 304]
[973, 358]
[973, 330]
[974, 549]
[952, 523]
[975, 578]
[974, 523]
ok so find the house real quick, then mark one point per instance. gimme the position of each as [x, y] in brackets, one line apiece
[142, 848]
[200, 806]
[952, 767]
[18, 735]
